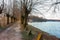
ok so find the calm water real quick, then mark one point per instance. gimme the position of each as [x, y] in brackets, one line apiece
[52, 28]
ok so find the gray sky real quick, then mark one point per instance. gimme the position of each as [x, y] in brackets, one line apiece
[46, 4]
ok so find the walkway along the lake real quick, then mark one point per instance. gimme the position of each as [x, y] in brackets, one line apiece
[12, 33]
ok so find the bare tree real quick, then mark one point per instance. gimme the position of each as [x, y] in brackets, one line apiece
[15, 10]
[56, 6]
[25, 11]
[1, 7]
[26, 7]
[7, 17]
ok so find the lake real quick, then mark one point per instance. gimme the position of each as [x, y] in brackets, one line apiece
[53, 28]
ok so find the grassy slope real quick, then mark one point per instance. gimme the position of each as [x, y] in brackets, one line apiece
[35, 31]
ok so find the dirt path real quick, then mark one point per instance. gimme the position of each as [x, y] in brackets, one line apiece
[12, 33]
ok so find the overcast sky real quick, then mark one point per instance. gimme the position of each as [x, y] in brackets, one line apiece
[46, 4]
[43, 8]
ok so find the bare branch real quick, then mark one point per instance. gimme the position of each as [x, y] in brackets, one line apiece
[49, 8]
[54, 9]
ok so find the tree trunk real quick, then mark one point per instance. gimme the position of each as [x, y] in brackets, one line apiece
[11, 19]
[14, 19]
[22, 22]
[22, 19]
[7, 19]
[25, 21]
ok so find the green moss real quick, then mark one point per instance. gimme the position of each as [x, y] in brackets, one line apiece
[26, 36]
[1, 28]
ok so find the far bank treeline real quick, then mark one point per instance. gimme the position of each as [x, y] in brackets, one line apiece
[36, 19]
[39, 19]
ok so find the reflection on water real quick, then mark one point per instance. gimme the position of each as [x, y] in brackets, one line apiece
[50, 27]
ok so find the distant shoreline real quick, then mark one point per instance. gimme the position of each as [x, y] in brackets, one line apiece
[40, 19]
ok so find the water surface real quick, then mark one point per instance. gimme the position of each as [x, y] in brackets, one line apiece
[53, 28]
